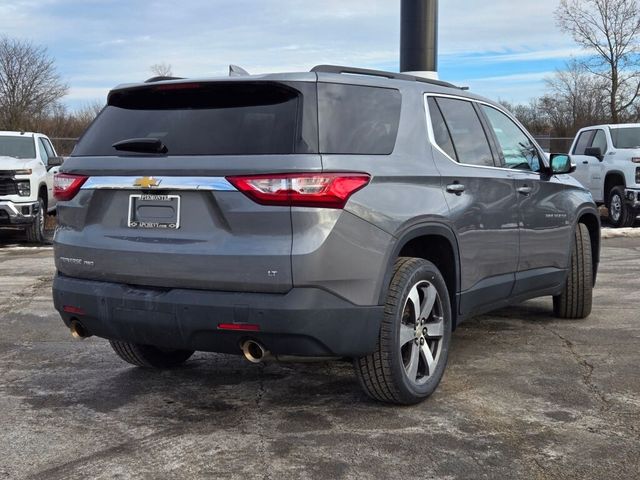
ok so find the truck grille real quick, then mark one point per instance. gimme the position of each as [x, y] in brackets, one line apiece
[8, 187]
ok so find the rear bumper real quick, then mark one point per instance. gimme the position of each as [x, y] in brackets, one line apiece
[17, 213]
[305, 321]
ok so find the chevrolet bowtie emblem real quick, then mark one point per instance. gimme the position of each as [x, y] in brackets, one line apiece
[146, 182]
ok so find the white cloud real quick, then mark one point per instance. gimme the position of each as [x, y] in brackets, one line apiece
[100, 43]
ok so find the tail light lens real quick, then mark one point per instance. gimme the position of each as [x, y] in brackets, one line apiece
[66, 186]
[326, 190]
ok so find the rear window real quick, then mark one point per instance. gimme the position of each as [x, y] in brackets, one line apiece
[221, 118]
[625, 137]
[17, 147]
[356, 119]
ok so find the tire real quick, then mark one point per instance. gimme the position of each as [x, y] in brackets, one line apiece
[149, 356]
[576, 298]
[401, 371]
[35, 231]
[620, 214]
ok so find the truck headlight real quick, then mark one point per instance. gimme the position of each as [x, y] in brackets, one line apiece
[637, 175]
[24, 188]
[26, 171]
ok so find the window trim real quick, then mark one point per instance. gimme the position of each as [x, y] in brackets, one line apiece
[431, 136]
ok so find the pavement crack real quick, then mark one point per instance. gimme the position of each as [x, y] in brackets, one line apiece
[541, 469]
[586, 367]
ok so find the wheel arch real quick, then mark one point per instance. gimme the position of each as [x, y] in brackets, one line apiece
[613, 178]
[433, 242]
[43, 193]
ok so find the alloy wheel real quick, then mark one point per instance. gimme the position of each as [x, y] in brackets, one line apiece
[421, 332]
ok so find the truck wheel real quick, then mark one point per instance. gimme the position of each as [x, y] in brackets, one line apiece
[414, 339]
[576, 297]
[149, 356]
[35, 231]
[620, 215]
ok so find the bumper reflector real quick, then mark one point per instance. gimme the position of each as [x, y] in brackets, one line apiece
[242, 327]
[74, 310]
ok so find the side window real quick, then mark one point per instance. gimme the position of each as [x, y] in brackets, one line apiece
[600, 140]
[44, 156]
[518, 151]
[468, 136]
[356, 119]
[48, 147]
[584, 140]
[440, 130]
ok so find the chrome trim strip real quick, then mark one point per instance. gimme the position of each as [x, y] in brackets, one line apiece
[214, 184]
[432, 139]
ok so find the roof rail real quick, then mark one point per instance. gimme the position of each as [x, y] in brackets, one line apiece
[380, 73]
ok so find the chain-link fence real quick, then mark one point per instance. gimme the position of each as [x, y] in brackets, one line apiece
[64, 146]
[555, 144]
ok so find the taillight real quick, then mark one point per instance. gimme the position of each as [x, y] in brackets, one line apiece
[66, 186]
[327, 190]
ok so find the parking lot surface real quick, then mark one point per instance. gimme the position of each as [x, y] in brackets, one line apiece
[525, 396]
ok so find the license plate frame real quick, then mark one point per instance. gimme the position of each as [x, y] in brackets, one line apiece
[134, 222]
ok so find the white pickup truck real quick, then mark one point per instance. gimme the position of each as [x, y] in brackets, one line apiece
[607, 158]
[28, 163]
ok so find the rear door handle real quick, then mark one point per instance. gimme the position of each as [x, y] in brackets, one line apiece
[456, 188]
[526, 190]
[585, 162]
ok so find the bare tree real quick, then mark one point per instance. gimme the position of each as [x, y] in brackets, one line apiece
[609, 29]
[530, 115]
[29, 84]
[575, 99]
[161, 69]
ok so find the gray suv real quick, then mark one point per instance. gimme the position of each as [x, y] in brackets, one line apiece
[339, 213]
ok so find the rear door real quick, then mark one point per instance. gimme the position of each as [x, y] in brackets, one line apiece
[482, 202]
[589, 169]
[545, 214]
[171, 218]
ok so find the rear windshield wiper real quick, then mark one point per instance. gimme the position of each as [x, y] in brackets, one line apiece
[141, 145]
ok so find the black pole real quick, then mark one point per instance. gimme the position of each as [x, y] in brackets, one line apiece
[419, 35]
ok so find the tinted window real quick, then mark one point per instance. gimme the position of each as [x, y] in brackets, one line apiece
[17, 147]
[626, 137]
[440, 130]
[600, 141]
[202, 119]
[466, 131]
[357, 120]
[517, 149]
[584, 141]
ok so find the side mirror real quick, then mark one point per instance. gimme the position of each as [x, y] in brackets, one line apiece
[55, 162]
[594, 152]
[561, 163]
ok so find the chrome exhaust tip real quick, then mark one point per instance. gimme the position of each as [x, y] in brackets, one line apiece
[254, 351]
[78, 330]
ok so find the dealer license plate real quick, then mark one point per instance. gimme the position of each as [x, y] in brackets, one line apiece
[154, 211]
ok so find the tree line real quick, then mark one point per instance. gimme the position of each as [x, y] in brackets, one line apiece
[601, 86]
[31, 93]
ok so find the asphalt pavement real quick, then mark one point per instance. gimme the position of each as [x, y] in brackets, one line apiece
[525, 395]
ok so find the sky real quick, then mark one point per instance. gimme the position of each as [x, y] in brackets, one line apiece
[502, 49]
